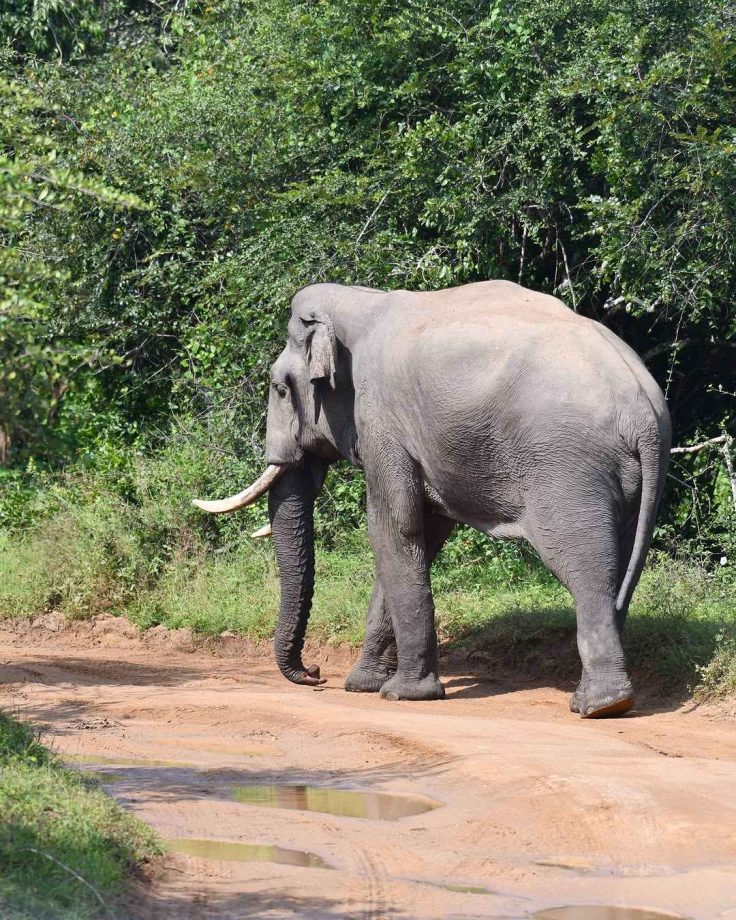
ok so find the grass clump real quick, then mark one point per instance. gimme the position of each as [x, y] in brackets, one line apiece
[66, 849]
[19, 744]
[718, 674]
[25, 586]
[679, 616]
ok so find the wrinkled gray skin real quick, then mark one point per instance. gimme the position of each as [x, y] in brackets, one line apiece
[489, 405]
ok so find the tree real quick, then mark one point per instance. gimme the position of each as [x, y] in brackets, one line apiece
[34, 366]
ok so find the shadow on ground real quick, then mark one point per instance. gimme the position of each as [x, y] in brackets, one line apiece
[270, 901]
[135, 785]
[42, 669]
[529, 649]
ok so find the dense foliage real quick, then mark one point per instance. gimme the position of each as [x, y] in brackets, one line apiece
[233, 152]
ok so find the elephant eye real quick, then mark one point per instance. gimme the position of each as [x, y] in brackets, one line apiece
[280, 388]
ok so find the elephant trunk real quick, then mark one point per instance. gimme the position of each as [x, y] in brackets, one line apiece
[291, 509]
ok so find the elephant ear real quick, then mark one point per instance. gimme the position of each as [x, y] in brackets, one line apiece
[321, 348]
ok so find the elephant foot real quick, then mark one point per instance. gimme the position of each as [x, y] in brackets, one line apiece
[601, 699]
[400, 687]
[368, 676]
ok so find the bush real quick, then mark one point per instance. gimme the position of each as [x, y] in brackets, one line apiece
[718, 675]
[280, 144]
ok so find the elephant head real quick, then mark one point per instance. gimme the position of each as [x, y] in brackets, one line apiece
[310, 424]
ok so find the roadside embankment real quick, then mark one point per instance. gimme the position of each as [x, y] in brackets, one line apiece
[66, 848]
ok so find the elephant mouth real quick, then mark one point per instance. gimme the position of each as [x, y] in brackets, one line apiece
[272, 474]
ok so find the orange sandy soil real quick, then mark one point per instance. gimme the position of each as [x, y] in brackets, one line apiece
[539, 807]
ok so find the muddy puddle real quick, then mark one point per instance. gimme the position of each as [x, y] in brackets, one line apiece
[230, 851]
[462, 889]
[93, 759]
[350, 803]
[600, 912]
[102, 776]
[582, 867]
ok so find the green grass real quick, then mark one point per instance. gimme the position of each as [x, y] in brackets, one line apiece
[24, 585]
[66, 848]
[491, 598]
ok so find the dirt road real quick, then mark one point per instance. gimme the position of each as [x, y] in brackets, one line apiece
[536, 807]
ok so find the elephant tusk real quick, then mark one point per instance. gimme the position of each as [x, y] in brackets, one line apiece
[264, 531]
[248, 496]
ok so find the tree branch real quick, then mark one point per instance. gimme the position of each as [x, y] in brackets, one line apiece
[694, 448]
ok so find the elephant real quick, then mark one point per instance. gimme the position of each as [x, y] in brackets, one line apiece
[489, 405]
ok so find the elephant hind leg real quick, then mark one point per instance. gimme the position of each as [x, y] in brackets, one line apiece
[377, 662]
[604, 688]
[583, 552]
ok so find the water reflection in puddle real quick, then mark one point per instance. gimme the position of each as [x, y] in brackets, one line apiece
[120, 761]
[462, 889]
[101, 776]
[381, 806]
[229, 851]
[598, 912]
[583, 867]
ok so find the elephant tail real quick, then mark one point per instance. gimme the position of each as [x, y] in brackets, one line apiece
[654, 455]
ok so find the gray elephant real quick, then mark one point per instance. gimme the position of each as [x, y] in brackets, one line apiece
[489, 405]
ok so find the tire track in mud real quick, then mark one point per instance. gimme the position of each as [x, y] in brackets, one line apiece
[372, 875]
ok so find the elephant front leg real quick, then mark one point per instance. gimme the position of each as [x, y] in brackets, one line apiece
[378, 661]
[396, 531]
